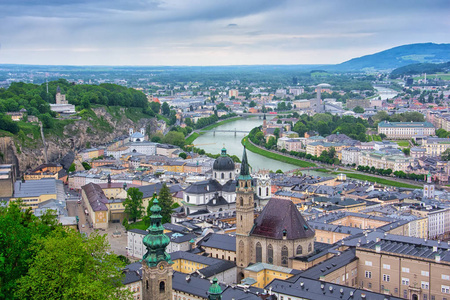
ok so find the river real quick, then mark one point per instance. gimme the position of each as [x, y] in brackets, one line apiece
[213, 144]
[385, 93]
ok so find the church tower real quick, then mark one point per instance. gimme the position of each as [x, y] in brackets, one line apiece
[264, 125]
[428, 188]
[156, 264]
[244, 216]
[215, 291]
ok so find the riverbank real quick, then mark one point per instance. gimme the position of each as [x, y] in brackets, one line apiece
[198, 132]
[379, 180]
[270, 154]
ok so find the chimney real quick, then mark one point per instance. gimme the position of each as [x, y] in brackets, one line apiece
[378, 248]
[437, 258]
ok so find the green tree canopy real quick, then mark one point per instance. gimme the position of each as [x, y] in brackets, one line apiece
[69, 266]
[133, 204]
[166, 202]
[359, 110]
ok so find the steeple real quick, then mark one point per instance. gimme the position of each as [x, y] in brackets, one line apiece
[223, 151]
[245, 170]
[215, 291]
[156, 241]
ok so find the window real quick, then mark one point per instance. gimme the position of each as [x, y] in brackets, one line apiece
[425, 297]
[445, 289]
[405, 270]
[386, 277]
[405, 293]
[241, 250]
[445, 277]
[368, 263]
[309, 247]
[425, 285]
[368, 274]
[270, 254]
[258, 252]
[299, 250]
[162, 287]
[425, 273]
[284, 256]
[405, 281]
[387, 267]
[396, 290]
[267, 191]
[241, 201]
[259, 192]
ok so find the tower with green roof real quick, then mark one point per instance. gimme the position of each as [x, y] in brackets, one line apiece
[156, 264]
[215, 291]
[244, 216]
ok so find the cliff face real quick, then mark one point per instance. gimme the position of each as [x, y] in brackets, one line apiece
[76, 136]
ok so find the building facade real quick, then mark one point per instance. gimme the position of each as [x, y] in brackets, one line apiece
[405, 130]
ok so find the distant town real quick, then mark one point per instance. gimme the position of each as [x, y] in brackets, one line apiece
[360, 211]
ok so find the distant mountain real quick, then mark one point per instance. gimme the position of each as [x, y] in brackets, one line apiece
[398, 57]
[414, 69]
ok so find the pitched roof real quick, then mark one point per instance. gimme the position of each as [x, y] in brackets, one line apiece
[279, 215]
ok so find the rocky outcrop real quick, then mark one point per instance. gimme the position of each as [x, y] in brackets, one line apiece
[75, 138]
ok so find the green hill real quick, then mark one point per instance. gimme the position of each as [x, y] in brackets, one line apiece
[398, 57]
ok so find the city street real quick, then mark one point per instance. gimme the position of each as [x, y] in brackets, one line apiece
[118, 243]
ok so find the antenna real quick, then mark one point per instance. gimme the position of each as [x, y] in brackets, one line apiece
[46, 80]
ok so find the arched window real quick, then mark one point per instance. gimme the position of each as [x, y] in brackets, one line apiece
[241, 251]
[222, 176]
[147, 284]
[267, 191]
[309, 247]
[270, 254]
[299, 250]
[187, 198]
[241, 201]
[259, 193]
[215, 175]
[230, 174]
[284, 256]
[162, 287]
[258, 252]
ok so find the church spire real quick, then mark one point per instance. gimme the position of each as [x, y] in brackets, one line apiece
[156, 241]
[245, 169]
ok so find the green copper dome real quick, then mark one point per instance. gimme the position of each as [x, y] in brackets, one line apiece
[156, 241]
[215, 291]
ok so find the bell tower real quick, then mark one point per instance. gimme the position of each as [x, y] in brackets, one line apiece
[156, 264]
[244, 216]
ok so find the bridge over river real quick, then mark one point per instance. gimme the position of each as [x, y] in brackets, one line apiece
[222, 130]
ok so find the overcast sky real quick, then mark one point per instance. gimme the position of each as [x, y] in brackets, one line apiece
[213, 32]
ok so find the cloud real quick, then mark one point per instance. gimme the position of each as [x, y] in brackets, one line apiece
[216, 32]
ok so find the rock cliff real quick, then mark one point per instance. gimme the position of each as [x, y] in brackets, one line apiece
[75, 137]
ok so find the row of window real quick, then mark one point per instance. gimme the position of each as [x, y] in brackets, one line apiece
[284, 253]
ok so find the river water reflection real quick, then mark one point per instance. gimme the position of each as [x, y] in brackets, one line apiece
[232, 143]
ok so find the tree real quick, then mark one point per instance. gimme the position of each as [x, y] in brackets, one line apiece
[165, 109]
[86, 165]
[252, 104]
[446, 155]
[406, 151]
[331, 152]
[69, 266]
[18, 229]
[125, 223]
[279, 171]
[72, 168]
[133, 204]
[182, 155]
[166, 202]
[359, 110]
[174, 138]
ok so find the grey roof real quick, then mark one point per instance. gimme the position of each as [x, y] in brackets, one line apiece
[220, 241]
[149, 190]
[205, 186]
[330, 265]
[35, 188]
[138, 231]
[133, 273]
[306, 288]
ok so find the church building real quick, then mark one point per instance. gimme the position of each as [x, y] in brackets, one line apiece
[277, 235]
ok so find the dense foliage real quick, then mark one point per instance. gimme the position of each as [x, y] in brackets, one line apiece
[41, 260]
[413, 69]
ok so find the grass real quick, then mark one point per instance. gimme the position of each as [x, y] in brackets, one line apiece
[379, 180]
[279, 157]
[192, 138]
[443, 76]
[402, 143]
[138, 225]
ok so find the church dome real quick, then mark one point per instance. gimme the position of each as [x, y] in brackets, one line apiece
[223, 162]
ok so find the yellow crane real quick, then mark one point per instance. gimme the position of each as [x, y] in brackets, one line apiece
[194, 145]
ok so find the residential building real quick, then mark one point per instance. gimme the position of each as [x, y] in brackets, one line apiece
[385, 160]
[350, 156]
[33, 192]
[435, 146]
[405, 130]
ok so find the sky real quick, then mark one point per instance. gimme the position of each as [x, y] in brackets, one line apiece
[213, 32]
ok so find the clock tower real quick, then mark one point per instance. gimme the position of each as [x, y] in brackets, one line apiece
[244, 216]
[156, 264]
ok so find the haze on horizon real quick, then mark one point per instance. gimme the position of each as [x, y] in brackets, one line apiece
[220, 32]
